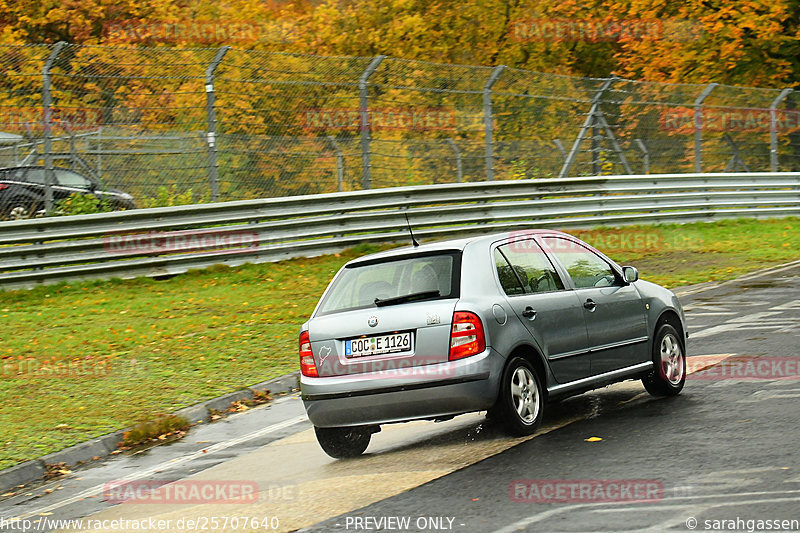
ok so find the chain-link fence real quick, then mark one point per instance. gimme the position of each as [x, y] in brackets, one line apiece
[171, 126]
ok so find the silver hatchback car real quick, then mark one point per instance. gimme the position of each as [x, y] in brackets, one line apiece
[500, 323]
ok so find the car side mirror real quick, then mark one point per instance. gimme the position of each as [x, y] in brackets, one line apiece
[631, 274]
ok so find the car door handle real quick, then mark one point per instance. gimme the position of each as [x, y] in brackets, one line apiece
[589, 304]
[529, 312]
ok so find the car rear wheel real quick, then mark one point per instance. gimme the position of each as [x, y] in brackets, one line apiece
[344, 442]
[520, 404]
[669, 360]
[18, 209]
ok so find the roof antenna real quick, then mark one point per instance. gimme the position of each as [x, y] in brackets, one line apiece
[413, 240]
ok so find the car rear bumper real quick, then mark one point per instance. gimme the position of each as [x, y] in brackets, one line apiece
[429, 391]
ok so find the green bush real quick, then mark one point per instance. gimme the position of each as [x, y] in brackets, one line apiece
[170, 197]
[81, 204]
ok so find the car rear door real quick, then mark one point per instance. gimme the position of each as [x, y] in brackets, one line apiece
[552, 314]
[614, 312]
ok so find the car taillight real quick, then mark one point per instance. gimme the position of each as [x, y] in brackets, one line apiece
[3, 186]
[466, 335]
[307, 365]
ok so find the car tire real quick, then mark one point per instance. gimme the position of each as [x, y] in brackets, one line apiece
[520, 403]
[669, 363]
[19, 208]
[344, 442]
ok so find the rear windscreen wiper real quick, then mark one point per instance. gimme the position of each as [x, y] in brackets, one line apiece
[406, 298]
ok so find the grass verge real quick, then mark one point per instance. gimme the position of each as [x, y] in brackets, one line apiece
[81, 360]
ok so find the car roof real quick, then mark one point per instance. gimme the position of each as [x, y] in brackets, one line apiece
[22, 167]
[451, 244]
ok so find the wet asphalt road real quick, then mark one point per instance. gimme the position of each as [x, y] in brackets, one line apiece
[724, 449]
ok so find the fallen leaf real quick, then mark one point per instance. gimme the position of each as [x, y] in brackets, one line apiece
[593, 439]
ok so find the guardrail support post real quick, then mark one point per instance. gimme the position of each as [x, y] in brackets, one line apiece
[645, 155]
[339, 163]
[773, 129]
[47, 123]
[366, 166]
[589, 122]
[457, 152]
[698, 127]
[211, 111]
[488, 123]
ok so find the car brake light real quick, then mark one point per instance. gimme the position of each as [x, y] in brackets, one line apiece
[466, 336]
[307, 365]
[3, 186]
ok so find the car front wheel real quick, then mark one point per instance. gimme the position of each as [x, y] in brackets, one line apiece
[344, 442]
[520, 404]
[669, 363]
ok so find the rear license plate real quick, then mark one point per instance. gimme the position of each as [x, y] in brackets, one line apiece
[377, 345]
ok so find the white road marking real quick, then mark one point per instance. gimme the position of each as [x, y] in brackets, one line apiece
[794, 305]
[760, 396]
[218, 447]
[697, 510]
[764, 320]
[619, 506]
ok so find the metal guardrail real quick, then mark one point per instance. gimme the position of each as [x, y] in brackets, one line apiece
[164, 241]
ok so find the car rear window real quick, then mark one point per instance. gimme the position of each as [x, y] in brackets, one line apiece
[360, 284]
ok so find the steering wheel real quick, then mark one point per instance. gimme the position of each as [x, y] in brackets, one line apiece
[605, 281]
[547, 278]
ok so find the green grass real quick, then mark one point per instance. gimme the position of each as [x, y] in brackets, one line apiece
[129, 350]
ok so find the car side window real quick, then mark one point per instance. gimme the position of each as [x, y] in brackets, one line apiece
[35, 175]
[524, 262]
[508, 279]
[65, 178]
[13, 174]
[586, 268]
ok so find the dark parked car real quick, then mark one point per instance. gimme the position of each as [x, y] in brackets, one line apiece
[22, 190]
[500, 323]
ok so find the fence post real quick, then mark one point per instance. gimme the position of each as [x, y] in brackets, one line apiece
[211, 112]
[366, 173]
[47, 123]
[488, 125]
[99, 151]
[587, 123]
[773, 129]
[339, 163]
[457, 152]
[698, 127]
